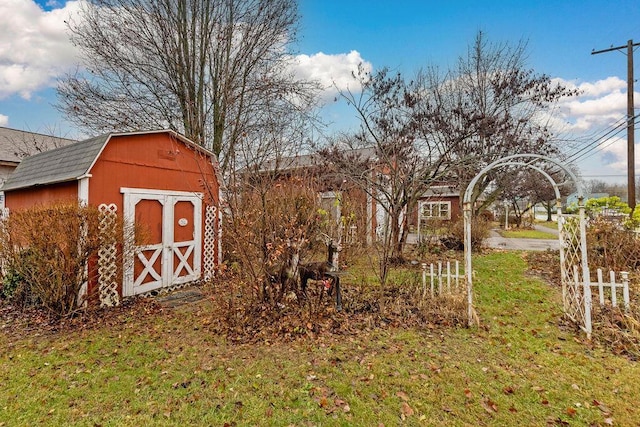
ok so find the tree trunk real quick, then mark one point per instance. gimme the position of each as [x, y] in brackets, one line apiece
[549, 207]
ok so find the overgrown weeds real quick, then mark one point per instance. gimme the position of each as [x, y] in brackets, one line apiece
[617, 330]
[613, 327]
[612, 247]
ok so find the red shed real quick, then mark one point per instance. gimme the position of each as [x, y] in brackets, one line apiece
[159, 179]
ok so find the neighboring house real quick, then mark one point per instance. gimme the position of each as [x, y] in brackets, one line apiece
[441, 202]
[335, 194]
[17, 144]
[161, 180]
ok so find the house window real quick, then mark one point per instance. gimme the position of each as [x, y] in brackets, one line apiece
[435, 210]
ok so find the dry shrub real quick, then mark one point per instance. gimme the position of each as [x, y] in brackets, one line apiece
[612, 247]
[617, 330]
[609, 247]
[480, 228]
[401, 305]
[266, 226]
[239, 316]
[45, 252]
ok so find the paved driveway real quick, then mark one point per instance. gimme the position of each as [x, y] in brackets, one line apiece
[496, 241]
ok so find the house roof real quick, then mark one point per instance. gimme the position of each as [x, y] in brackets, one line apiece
[58, 165]
[16, 144]
[71, 162]
[303, 161]
[441, 190]
[573, 197]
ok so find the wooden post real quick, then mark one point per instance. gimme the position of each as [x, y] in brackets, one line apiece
[600, 287]
[424, 279]
[614, 295]
[586, 279]
[467, 259]
[432, 284]
[625, 289]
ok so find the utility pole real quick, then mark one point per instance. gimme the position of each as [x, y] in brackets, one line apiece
[631, 171]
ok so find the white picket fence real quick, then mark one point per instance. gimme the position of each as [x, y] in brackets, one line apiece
[441, 278]
[608, 289]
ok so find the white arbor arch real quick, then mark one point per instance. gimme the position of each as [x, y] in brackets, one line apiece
[572, 235]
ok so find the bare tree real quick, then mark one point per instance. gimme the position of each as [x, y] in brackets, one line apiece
[445, 128]
[488, 107]
[612, 189]
[387, 158]
[523, 188]
[206, 68]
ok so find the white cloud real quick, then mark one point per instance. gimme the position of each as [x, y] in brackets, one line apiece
[333, 72]
[34, 46]
[588, 89]
[4, 120]
[617, 147]
[598, 104]
[594, 124]
[35, 50]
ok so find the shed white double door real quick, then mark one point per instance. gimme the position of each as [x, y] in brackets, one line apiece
[169, 225]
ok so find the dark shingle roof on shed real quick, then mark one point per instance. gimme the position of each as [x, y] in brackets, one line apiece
[62, 164]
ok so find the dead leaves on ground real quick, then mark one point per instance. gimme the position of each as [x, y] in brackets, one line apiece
[489, 405]
[18, 322]
[328, 400]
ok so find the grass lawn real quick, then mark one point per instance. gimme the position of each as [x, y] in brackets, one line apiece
[520, 367]
[527, 234]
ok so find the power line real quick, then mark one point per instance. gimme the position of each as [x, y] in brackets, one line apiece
[594, 148]
[631, 172]
[593, 136]
[597, 141]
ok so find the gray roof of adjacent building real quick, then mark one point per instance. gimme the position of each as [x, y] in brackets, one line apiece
[61, 164]
[16, 144]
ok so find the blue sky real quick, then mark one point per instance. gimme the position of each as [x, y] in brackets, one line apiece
[409, 34]
[403, 35]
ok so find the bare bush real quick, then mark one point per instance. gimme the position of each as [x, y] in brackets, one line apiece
[479, 231]
[612, 247]
[268, 231]
[46, 251]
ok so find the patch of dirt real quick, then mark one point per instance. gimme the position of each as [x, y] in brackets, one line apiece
[181, 297]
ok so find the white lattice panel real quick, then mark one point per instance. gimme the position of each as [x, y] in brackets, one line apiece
[107, 256]
[211, 213]
[576, 299]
